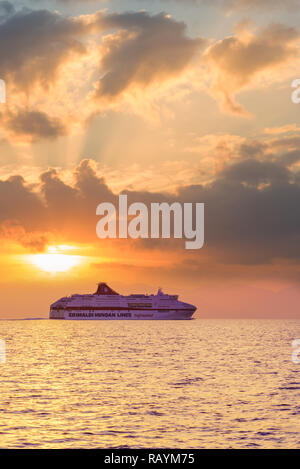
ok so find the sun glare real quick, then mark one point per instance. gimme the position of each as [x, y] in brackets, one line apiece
[54, 261]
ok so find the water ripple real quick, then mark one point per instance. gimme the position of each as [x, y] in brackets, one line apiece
[195, 384]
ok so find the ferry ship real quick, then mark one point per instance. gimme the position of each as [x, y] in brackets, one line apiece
[106, 304]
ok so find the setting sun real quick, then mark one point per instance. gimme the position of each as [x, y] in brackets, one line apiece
[54, 262]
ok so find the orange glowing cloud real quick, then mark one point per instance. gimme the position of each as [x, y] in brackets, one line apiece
[237, 61]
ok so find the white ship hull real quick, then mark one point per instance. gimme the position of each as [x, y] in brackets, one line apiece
[108, 315]
[107, 305]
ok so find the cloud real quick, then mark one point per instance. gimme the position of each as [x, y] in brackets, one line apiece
[34, 241]
[145, 49]
[281, 130]
[33, 125]
[82, 1]
[251, 209]
[237, 60]
[139, 57]
[55, 62]
[279, 145]
[34, 44]
[233, 5]
[255, 172]
[19, 202]
[6, 9]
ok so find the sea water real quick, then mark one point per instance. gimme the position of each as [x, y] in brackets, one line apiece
[149, 384]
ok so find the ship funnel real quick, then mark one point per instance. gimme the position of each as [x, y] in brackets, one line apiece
[104, 289]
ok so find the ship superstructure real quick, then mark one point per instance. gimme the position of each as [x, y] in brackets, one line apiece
[106, 304]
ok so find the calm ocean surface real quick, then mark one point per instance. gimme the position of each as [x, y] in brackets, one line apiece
[160, 384]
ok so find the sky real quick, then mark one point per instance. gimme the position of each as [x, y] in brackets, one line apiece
[164, 100]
